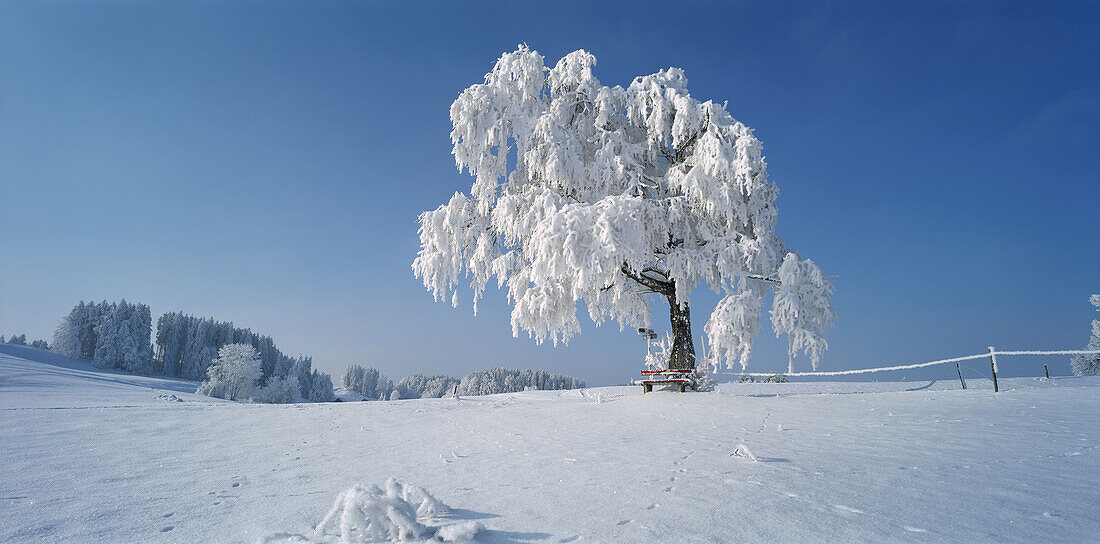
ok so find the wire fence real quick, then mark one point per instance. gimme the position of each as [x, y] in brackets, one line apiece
[991, 355]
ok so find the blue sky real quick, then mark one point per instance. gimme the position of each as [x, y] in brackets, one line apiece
[264, 163]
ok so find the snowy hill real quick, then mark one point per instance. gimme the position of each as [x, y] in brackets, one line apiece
[35, 378]
[88, 455]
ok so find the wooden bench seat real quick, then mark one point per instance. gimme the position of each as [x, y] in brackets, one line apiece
[677, 376]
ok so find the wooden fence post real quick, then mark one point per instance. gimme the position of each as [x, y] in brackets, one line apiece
[1045, 371]
[993, 367]
[960, 375]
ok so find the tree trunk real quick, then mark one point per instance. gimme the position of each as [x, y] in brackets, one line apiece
[683, 350]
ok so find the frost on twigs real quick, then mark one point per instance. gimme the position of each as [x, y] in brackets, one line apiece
[701, 381]
[1089, 364]
[370, 514]
[657, 358]
[398, 513]
[611, 196]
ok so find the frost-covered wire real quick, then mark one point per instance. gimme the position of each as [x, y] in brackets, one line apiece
[921, 365]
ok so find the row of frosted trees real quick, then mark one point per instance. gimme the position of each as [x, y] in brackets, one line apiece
[507, 380]
[372, 384]
[21, 340]
[110, 335]
[119, 335]
[186, 345]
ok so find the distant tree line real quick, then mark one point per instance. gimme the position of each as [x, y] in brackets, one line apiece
[372, 384]
[507, 380]
[186, 346]
[21, 340]
[119, 335]
[420, 386]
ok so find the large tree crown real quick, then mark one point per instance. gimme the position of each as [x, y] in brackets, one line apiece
[584, 192]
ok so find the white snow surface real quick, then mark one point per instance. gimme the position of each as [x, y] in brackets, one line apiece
[89, 455]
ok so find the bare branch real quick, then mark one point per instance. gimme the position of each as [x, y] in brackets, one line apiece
[764, 278]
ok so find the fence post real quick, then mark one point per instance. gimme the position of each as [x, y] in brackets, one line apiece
[993, 366]
[1045, 371]
[960, 375]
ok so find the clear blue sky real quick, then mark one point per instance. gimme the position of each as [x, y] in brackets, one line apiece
[264, 163]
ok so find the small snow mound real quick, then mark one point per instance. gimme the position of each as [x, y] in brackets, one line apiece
[460, 532]
[168, 398]
[397, 513]
[743, 451]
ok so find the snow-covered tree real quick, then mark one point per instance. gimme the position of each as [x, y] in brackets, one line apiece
[18, 339]
[111, 335]
[1089, 364]
[83, 320]
[66, 340]
[40, 344]
[302, 368]
[419, 386]
[369, 382]
[233, 374]
[279, 390]
[606, 195]
[170, 341]
[320, 387]
[122, 338]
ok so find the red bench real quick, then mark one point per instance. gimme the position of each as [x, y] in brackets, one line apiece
[678, 376]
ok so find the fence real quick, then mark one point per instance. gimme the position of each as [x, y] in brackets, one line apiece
[991, 354]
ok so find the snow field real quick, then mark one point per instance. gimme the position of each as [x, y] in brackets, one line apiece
[597, 465]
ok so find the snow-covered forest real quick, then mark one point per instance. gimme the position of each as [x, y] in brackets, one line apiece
[238, 364]
[119, 336]
[371, 383]
[507, 380]
[186, 345]
[111, 335]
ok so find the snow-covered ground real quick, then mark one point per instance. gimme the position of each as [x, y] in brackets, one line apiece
[88, 455]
